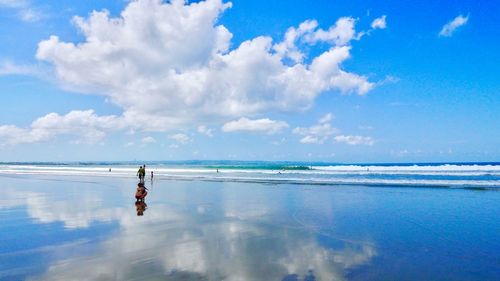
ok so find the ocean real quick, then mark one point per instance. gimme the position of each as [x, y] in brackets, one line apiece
[452, 175]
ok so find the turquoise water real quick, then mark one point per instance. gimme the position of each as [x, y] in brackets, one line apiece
[74, 227]
[454, 175]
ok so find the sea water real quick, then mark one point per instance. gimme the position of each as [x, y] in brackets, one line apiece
[466, 175]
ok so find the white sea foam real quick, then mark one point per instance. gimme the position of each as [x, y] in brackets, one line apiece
[349, 181]
[412, 168]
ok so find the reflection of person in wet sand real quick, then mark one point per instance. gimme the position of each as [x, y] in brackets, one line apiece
[140, 207]
[140, 192]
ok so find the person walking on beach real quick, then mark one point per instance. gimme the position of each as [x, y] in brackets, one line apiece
[141, 173]
[151, 175]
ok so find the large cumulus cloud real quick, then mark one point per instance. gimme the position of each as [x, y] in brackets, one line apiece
[169, 63]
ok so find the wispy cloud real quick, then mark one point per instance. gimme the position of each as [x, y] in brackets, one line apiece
[14, 3]
[180, 138]
[25, 9]
[264, 125]
[354, 140]
[323, 131]
[205, 131]
[379, 23]
[10, 68]
[129, 144]
[365, 127]
[148, 139]
[319, 133]
[449, 28]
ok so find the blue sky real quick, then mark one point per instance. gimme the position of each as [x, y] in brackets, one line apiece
[341, 81]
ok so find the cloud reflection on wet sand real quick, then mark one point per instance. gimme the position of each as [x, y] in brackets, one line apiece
[197, 242]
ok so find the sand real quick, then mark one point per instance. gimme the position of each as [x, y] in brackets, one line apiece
[88, 228]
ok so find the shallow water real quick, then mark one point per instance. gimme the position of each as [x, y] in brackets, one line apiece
[457, 175]
[88, 228]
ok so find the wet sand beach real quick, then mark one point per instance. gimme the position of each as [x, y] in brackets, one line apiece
[88, 228]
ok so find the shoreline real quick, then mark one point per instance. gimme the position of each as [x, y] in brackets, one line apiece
[284, 181]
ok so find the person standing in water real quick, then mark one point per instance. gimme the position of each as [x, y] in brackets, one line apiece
[151, 175]
[141, 174]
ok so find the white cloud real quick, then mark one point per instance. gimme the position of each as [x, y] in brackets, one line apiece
[312, 140]
[172, 61]
[379, 23]
[85, 125]
[180, 138]
[365, 127]
[354, 140]
[326, 119]
[10, 68]
[339, 34]
[265, 125]
[323, 131]
[287, 47]
[389, 79]
[13, 3]
[318, 133]
[26, 11]
[168, 65]
[206, 131]
[148, 139]
[449, 28]
[30, 15]
[308, 32]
